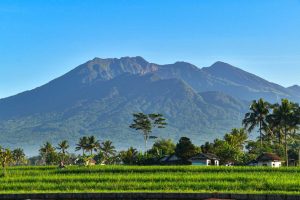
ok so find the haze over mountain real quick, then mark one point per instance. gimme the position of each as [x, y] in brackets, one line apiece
[295, 89]
[99, 97]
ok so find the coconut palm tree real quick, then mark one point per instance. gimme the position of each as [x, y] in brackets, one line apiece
[236, 138]
[273, 132]
[92, 144]
[259, 111]
[48, 153]
[63, 146]
[284, 116]
[82, 145]
[108, 150]
[46, 148]
[129, 157]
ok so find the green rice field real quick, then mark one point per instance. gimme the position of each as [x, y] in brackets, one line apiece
[151, 179]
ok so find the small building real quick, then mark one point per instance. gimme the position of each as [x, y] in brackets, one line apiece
[205, 159]
[170, 160]
[252, 163]
[90, 162]
[269, 159]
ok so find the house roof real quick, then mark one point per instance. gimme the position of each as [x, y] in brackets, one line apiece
[169, 158]
[268, 157]
[205, 156]
[91, 160]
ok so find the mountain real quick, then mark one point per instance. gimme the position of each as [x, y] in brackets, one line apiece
[244, 85]
[295, 89]
[99, 97]
[226, 78]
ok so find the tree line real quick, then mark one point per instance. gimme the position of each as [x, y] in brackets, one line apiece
[277, 125]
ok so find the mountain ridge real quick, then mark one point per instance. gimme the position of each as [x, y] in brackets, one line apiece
[99, 96]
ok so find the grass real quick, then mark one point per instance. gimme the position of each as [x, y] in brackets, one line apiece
[151, 179]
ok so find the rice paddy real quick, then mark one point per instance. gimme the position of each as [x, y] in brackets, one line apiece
[50, 179]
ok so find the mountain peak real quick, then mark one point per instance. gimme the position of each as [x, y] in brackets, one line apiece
[137, 59]
[220, 64]
[99, 69]
[294, 87]
[185, 64]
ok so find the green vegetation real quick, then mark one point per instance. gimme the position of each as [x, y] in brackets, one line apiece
[145, 123]
[185, 149]
[151, 179]
[275, 122]
[278, 125]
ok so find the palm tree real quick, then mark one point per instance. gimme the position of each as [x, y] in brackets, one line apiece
[82, 145]
[92, 144]
[236, 138]
[46, 148]
[45, 151]
[108, 150]
[284, 115]
[272, 130]
[129, 157]
[259, 110]
[63, 146]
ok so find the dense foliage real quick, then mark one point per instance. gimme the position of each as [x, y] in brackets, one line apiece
[278, 125]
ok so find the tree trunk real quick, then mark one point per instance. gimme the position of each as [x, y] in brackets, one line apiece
[4, 169]
[279, 137]
[299, 157]
[145, 139]
[285, 147]
[260, 135]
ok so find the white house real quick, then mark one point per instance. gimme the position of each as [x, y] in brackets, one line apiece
[269, 159]
[205, 159]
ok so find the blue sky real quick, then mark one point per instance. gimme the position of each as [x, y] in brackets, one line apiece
[41, 40]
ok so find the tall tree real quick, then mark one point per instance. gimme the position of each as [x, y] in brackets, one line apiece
[259, 111]
[62, 147]
[285, 116]
[108, 151]
[92, 145]
[273, 130]
[47, 151]
[145, 123]
[185, 149]
[82, 144]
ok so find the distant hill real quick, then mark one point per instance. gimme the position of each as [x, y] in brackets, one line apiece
[295, 89]
[99, 97]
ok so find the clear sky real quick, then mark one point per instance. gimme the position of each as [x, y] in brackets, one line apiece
[41, 40]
